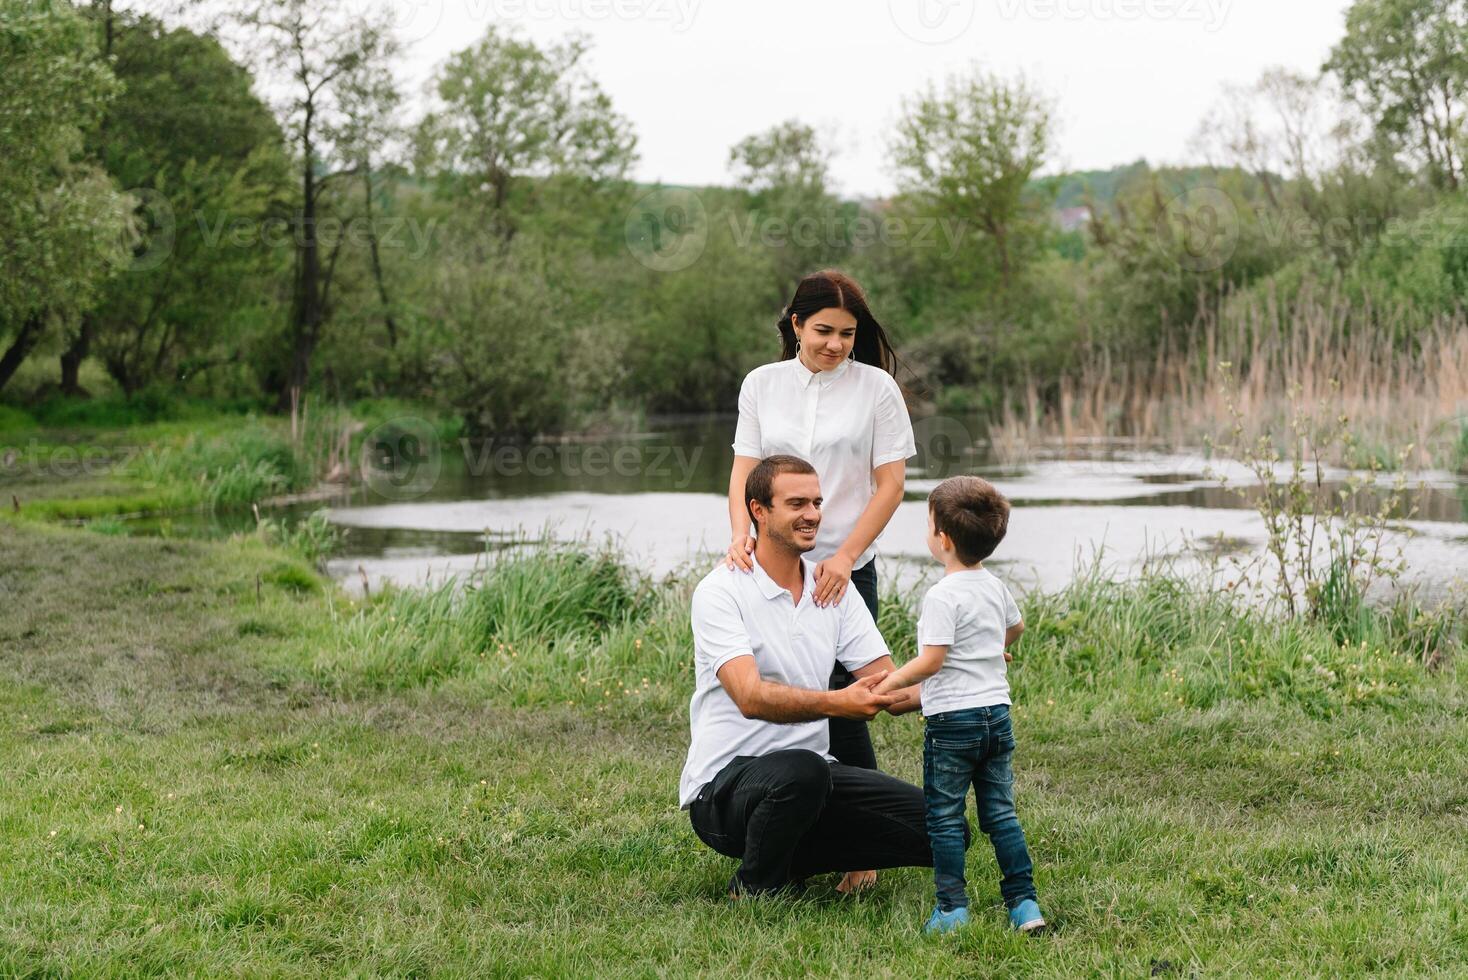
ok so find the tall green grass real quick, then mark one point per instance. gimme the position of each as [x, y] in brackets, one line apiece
[568, 624]
[542, 623]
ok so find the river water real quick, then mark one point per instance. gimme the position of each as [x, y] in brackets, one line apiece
[434, 511]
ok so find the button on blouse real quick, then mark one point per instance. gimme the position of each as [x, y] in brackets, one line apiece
[845, 422]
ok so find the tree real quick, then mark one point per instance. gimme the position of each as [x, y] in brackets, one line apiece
[206, 159]
[1406, 63]
[64, 227]
[368, 127]
[968, 151]
[509, 110]
[786, 171]
[1326, 182]
[789, 157]
[311, 50]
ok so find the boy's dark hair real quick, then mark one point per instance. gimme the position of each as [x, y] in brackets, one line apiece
[971, 512]
[760, 484]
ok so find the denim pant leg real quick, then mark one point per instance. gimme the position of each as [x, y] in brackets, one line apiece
[947, 772]
[994, 788]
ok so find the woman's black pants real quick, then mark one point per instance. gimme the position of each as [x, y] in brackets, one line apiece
[851, 743]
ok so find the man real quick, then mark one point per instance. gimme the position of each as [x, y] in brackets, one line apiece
[759, 783]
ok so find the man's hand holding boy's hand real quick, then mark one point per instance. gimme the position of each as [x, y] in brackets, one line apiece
[861, 700]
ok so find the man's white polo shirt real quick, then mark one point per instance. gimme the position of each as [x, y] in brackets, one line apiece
[738, 613]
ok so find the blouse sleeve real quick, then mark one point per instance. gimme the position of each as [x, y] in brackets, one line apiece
[892, 436]
[746, 432]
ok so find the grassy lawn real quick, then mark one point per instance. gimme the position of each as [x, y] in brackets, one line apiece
[209, 770]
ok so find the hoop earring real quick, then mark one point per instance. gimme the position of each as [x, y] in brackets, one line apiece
[797, 345]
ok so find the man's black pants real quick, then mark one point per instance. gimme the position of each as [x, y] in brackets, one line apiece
[791, 814]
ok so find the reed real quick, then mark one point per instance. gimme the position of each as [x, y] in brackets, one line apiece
[1398, 381]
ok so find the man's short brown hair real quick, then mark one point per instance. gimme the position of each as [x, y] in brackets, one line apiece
[970, 511]
[760, 484]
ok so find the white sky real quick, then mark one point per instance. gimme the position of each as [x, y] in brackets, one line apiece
[1131, 78]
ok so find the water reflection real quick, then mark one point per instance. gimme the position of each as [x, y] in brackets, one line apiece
[661, 495]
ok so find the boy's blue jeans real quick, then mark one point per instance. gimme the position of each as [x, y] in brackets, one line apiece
[973, 747]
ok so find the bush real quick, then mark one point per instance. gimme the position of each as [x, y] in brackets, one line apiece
[154, 404]
[550, 624]
[15, 420]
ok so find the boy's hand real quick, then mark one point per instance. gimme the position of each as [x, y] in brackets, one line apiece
[889, 683]
[1008, 657]
[860, 701]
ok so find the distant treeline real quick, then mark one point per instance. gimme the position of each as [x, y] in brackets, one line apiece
[249, 209]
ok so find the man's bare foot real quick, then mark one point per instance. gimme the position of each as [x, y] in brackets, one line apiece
[856, 881]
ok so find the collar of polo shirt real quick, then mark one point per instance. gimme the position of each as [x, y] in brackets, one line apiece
[772, 589]
[805, 375]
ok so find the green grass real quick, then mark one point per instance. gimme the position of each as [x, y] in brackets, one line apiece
[81, 460]
[212, 769]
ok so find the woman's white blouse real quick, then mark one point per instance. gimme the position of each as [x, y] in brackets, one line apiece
[845, 422]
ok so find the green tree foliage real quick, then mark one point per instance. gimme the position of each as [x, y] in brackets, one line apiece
[64, 226]
[313, 50]
[529, 156]
[510, 112]
[968, 151]
[792, 213]
[204, 157]
[1406, 63]
[492, 256]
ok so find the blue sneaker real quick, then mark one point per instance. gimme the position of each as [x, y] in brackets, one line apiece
[941, 921]
[1026, 917]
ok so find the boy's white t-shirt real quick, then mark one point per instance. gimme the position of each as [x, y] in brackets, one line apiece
[968, 612]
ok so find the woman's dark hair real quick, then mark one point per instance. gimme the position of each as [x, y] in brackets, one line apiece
[830, 289]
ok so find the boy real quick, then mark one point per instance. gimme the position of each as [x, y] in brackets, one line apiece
[968, 621]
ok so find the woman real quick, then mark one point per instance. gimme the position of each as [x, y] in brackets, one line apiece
[832, 400]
